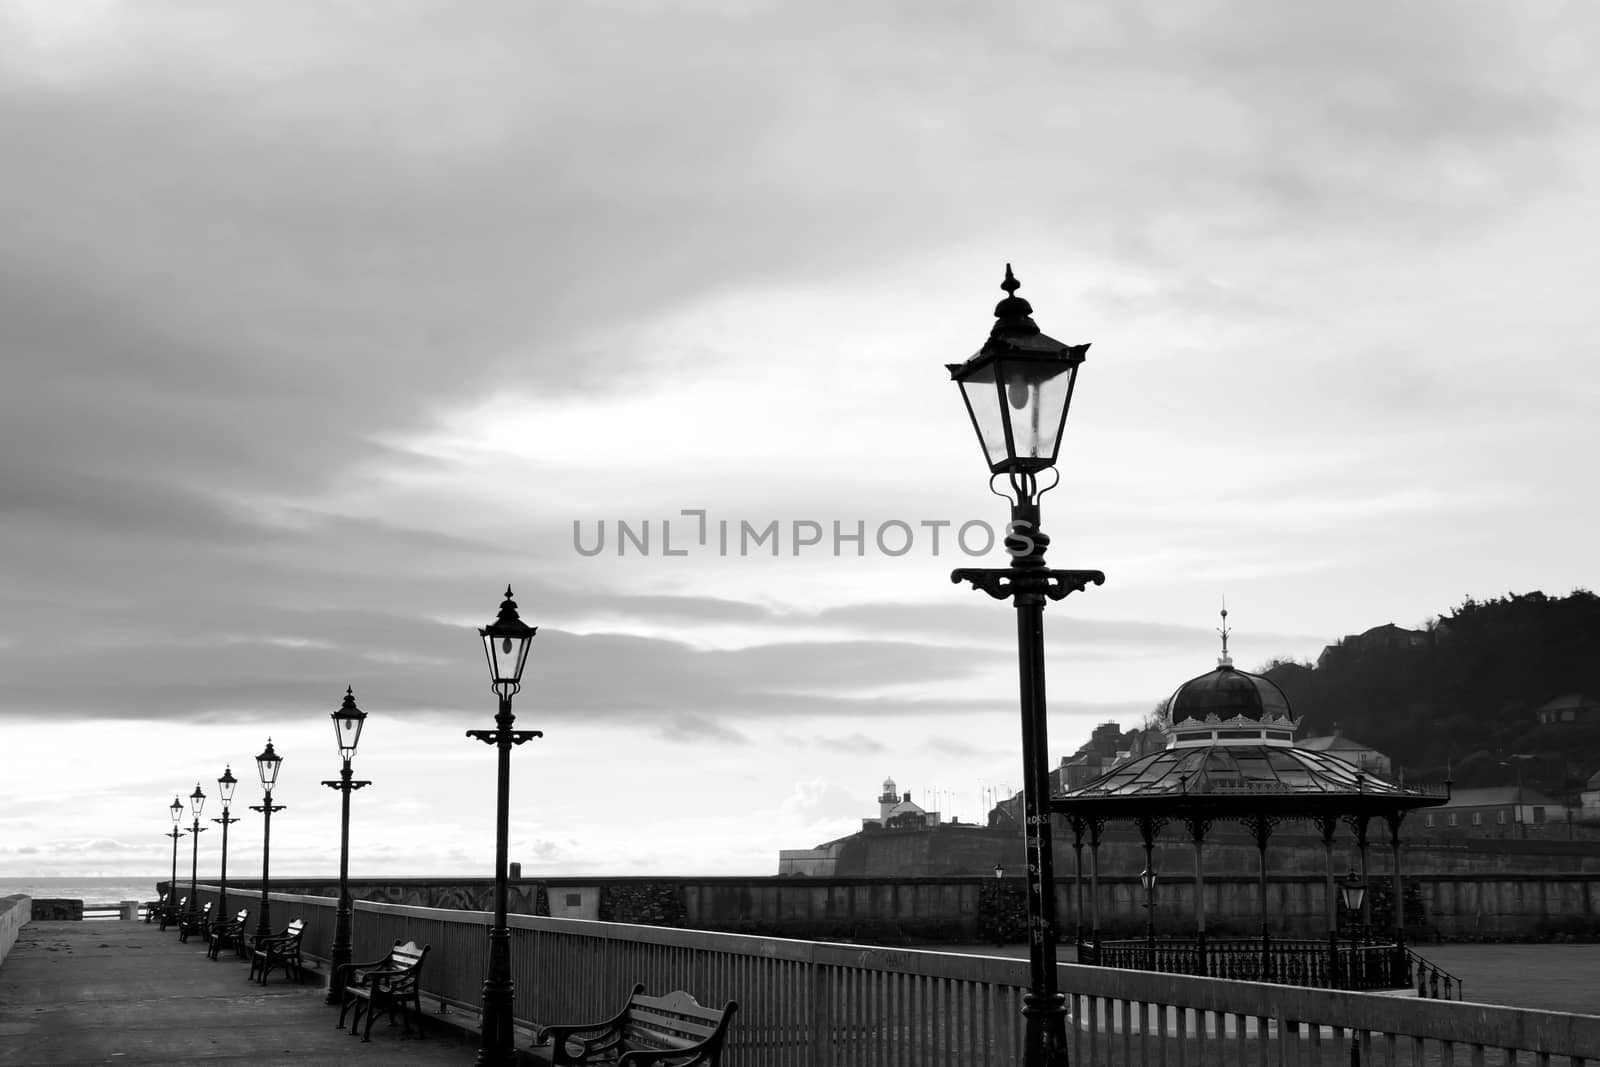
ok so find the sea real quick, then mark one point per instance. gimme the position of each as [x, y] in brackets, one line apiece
[89, 890]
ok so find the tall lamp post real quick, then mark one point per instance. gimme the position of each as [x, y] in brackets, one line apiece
[1353, 892]
[267, 768]
[506, 642]
[225, 786]
[197, 800]
[347, 723]
[170, 911]
[1017, 389]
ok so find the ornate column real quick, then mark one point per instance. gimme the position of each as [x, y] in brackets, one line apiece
[1077, 883]
[1400, 966]
[1326, 825]
[1198, 826]
[1096, 824]
[1260, 826]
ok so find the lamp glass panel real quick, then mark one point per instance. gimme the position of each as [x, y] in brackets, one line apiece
[177, 810]
[197, 800]
[507, 655]
[347, 728]
[225, 786]
[979, 390]
[267, 768]
[1037, 392]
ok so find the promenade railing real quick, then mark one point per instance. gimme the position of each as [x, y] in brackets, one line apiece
[816, 1004]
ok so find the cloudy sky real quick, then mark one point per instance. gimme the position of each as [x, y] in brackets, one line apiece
[322, 322]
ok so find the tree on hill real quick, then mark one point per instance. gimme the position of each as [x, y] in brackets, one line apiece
[1464, 695]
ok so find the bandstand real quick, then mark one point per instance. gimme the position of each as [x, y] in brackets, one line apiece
[1231, 757]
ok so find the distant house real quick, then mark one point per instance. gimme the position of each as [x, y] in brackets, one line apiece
[1570, 710]
[1363, 756]
[1498, 811]
[1590, 797]
[1387, 636]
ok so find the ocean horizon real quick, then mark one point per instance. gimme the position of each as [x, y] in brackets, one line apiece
[88, 890]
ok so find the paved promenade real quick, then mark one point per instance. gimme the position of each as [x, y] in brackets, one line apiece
[126, 993]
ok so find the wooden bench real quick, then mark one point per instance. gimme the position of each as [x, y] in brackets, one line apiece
[197, 924]
[279, 949]
[229, 931]
[170, 912]
[670, 1030]
[386, 984]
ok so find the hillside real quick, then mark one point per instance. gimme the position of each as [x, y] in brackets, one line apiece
[1462, 693]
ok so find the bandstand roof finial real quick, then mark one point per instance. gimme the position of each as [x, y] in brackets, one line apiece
[1224, 660]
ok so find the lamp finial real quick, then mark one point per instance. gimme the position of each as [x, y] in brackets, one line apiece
[1013, 314]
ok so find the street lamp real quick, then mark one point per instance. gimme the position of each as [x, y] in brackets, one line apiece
[225, 786]
[1515, 760]
[1147, 878]
[197, 800]
[170, 909]
[999, 871]
[506, 642]
[1353, 892]
[1017, 390]
[347, 723]
[267, 768]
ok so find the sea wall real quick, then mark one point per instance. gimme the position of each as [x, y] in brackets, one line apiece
[15, 911]
[1489, 906]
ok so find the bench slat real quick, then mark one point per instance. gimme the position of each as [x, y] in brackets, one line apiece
[680, 1027]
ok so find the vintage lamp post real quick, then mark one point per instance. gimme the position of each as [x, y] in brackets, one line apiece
[506, 642]
[347, 723]
[197, 800]
[267, 765]
[1353, 892]
[169, 911]
[225, 786]
[1017, 389]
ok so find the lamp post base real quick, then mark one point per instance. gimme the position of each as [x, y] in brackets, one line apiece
[497, 1044]
[1044, 1020]
[338, 955]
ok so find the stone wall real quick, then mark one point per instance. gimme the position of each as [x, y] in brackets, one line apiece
[15, 912]
[1493, 905]
[50, 910]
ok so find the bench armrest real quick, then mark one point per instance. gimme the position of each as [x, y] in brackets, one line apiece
[560, 1033]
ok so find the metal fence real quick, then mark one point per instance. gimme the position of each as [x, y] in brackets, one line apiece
[817, 1004]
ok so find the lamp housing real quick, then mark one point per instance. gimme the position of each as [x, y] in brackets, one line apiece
[177, 810]
[506, 642]
[1018, 388]
[1353, 891]
[347, 723]
[1147, 878]
[225, 786]
[197, 800]
[267, 765]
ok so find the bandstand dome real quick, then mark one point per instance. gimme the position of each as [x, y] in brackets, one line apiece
[1228, 693]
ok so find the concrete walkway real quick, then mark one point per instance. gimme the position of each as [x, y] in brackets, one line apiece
[126, 993]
